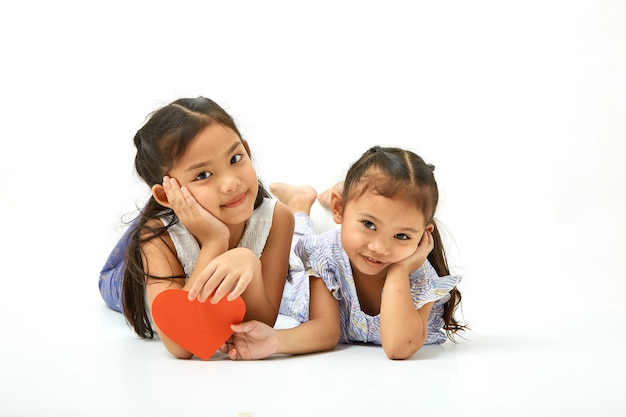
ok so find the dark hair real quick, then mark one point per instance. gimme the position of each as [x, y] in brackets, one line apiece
[160, 143]
[399, 173]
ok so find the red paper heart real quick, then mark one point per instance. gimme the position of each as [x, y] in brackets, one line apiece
[201, 328]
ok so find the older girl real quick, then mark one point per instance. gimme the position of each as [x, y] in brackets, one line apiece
[198, 167]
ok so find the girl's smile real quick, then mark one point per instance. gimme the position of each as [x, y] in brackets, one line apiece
[372, 262]
[237, 201]
[378, 231]
[217, 170]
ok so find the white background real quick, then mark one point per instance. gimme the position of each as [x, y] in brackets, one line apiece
[521, 106]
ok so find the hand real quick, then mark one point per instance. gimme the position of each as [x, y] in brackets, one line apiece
[251, 340]
[229, 273]
[199, 221]
[418, 257]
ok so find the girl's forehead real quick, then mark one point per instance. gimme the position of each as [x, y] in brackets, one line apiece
[396, 213]
[214, 140]
[374, 203]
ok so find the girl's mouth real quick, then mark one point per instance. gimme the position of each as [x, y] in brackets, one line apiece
[237, 201]
[372, 262]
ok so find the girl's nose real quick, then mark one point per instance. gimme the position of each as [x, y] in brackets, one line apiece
[229, 184]
[379, 246]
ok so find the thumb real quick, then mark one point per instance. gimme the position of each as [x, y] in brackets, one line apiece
[243, 327]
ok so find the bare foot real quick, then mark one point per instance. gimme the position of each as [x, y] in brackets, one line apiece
[324, 196]
[297, 197]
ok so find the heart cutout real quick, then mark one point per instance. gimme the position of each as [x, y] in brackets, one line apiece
[201, 328]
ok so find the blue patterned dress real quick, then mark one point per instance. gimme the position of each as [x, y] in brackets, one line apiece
[323, 256]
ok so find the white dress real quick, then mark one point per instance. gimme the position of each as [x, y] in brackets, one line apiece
[254, 235]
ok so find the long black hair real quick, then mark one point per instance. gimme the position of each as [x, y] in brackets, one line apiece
[160, 142]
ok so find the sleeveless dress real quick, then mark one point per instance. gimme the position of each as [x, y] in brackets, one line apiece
[323, 256]
[187, 249]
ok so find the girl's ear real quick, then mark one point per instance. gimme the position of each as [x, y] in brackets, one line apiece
[430, 228]
[336, 206]
[158, 192]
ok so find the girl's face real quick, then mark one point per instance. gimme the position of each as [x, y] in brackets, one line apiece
[377, 231]
[219, 174]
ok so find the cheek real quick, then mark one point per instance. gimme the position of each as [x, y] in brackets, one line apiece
[405, 251]
[348, 239]
[251, 177]
[205, 196]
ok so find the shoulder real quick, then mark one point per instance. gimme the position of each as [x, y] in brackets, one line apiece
[153, 224]
[283, 217]
[329, 240]
[282, 212]
[323, 249]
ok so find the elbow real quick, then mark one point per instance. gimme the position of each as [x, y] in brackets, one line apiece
[330, 340]
[185, 355]
[179, 353]
[402, 351]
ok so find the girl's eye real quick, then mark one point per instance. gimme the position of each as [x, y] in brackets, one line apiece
[402, 236]
[236, 158]
[369, 224]
[203, 175]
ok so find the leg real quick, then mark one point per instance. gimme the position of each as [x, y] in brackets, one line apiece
[300, 199]
[296, 197]
[324, 197]
[112, 274]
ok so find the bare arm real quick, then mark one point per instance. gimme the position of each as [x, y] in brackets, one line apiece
[160, 260]
[403, 329]
[321, 332]
[260, 282]
[255, 340]
[275, 258]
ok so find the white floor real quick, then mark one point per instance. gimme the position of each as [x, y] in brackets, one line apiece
[82, 360]
[521, 107]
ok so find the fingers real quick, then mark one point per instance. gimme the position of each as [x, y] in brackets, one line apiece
[225, 283]
[242, 284]
[202, 287]
[218, 285]
[172, 189]
[234, 355]
[228, 275]
[427, 243]
[244, 327]
[177, 196]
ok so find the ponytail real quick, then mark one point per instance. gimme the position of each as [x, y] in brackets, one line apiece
[437, 259]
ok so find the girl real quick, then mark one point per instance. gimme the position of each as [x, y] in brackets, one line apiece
[384, 277]
[192, 156]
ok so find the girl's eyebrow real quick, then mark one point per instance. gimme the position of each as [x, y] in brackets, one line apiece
[205, 163]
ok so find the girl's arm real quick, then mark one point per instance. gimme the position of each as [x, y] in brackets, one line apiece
[260, 283]
[275, 258]
[218, 271]
[403, 329]
[159, 259]
[255, 340]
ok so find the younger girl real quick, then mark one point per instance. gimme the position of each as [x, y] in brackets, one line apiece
[192, 156]
[384, 277]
